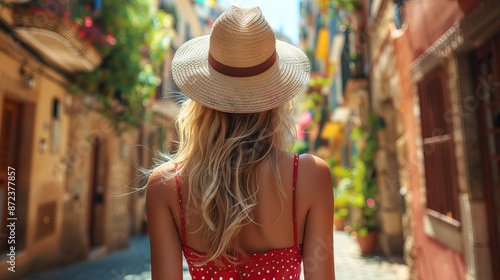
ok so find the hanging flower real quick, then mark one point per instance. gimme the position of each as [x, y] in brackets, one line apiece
[82, 33]
[88, 21]
[110, 39]
[370, 202]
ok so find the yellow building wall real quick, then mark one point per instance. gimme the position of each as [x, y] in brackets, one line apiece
[63, 177]
[46, 178]
[39, 174]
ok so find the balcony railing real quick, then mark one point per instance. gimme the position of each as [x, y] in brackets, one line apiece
[63, 31]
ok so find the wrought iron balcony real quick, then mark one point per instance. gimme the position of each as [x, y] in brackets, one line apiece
[60, 31]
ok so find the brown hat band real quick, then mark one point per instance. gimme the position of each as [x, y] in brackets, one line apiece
[241, 71]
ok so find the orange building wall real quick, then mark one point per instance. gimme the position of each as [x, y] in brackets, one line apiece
[428, 20]
[432, 260]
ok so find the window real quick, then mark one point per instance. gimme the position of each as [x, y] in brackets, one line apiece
[55, 126]
[439, 162]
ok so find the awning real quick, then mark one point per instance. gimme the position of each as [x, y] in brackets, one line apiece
[336, 49]
[322, 44]
[332, 130]
[335, 55]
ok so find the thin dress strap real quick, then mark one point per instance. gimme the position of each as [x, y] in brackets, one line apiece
[183, 222]
[295, 171]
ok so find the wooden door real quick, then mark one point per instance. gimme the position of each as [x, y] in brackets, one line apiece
[96, 197]
[9, 157]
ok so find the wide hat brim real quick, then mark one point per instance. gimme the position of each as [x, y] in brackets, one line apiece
[200, 82]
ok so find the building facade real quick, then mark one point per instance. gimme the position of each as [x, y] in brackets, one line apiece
[435, 70]
[341, 37]
[75, 177]
[433, 77]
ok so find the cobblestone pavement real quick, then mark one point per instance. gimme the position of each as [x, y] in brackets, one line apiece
[133, 263]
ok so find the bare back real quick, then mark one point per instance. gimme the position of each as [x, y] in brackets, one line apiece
[273, 221]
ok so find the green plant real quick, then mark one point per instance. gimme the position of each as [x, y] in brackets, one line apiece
[299, 147]
[314, 101]
[341, 198]
[359, 182]
[340, 191]
[348, 5]
[138, 35]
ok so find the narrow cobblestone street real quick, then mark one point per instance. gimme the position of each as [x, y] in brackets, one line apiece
[133, 263]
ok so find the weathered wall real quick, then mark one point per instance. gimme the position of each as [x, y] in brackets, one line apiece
[40, 178]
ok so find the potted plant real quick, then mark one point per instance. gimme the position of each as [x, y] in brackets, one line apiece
[362, 189]
[341, 203]
[340, 196]
[364, 223]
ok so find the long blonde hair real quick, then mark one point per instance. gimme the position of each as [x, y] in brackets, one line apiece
[220, 154]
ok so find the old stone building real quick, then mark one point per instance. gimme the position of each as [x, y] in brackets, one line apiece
[435, 70]
[73, 171]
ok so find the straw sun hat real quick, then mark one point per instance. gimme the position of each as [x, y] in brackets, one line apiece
[240, 67]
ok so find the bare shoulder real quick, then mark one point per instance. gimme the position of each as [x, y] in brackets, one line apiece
[314, 177]
[313, 163]
[161, 186]
[314, 168]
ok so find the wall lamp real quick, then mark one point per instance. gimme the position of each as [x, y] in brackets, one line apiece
[29, 80]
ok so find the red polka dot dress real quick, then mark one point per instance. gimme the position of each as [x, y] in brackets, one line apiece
[273, 265]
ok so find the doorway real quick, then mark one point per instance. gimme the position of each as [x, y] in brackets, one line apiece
[96, 196]
[9, 161]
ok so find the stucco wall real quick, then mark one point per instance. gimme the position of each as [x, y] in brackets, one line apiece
[427, 21]
[39, 176]
[116, 174]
